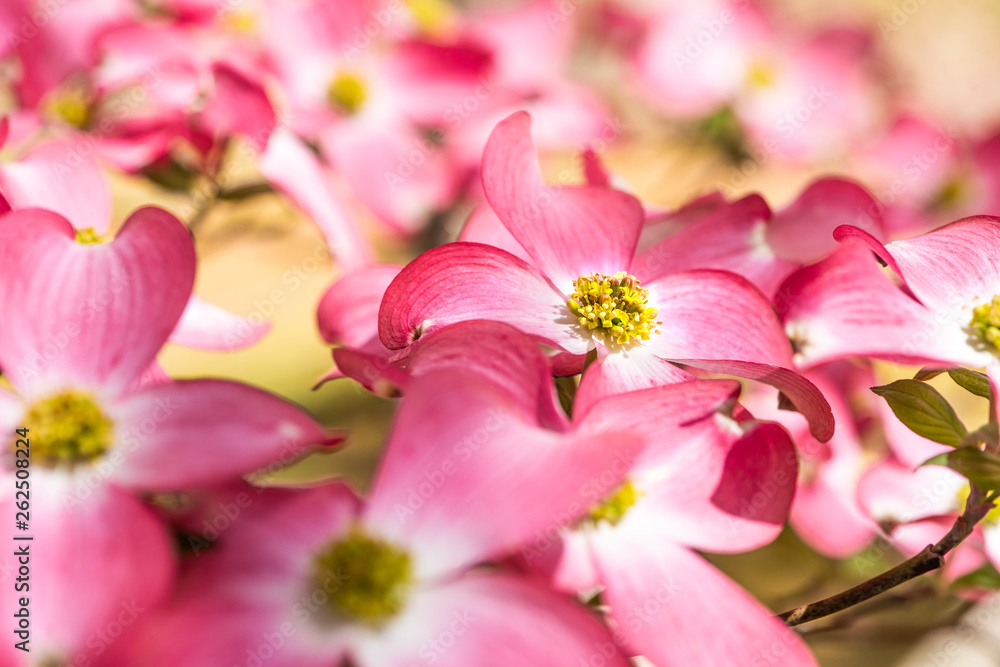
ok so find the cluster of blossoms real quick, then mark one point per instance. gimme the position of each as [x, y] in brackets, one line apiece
[569, 438]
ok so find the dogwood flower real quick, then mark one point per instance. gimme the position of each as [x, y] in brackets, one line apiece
[582, 291]
[90, 318]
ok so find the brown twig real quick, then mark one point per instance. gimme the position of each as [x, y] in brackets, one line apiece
[931, 558]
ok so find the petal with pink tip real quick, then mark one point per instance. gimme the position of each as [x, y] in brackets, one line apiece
[570, 231]
[90, 314]
[492, 619]
[513, 362]
[483, 226]
[206, 326]
[803, 231]
[623, 371]
[894, 493]
[732, 238]
[348, 312]
[106, 555]
[54, 176]
[716, 315]
[657, 589]
[470, 281]
[846, 306]
[954, 266]
[466, 475]
[198, 432]
[295, 170]
[238, 105]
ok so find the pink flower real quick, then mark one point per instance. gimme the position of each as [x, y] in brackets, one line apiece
[91, 317]
[847, 306]
[581, 242]
[724, 487]
[469, 476]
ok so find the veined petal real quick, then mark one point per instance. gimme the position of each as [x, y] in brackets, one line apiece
[107, 555]
[954, 266]
[492, 619]
[502, 356]
[623, 371]
[732, 238]
[192, 433]
[569, 231]
[642, 574]
[94, 315]
[803, 231]
[470, 281]
[716, 315]
[206, 326]
[467, 476]
[348, 312]
[845, 306]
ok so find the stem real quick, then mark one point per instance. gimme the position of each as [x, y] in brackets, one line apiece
[931, 558]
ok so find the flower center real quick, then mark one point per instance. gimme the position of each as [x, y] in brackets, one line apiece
[986, 321]
[67, 428]
[613, 305]
[347, 93]
[70, 105]
[615, 506]
[367, 578]
[433, 17]
[88, 236]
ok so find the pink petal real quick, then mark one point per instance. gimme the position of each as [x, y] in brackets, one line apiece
[570, 231]
[401, 176]
[492, 619]
[662, 597]
[348, 312]
[803, 231]
[238, 105]
[294, 169]
[230, 429]
[716, 315]
[208, 327]
[896, 493]
[92, 314]
[514, 363]
[467, 476]
[623, 371]
[55, 176]
[483, 226]
[106, 556]
[732, 238]
[469, 281]
[846, 306]
[952, 266]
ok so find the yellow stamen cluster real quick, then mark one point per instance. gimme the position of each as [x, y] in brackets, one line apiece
[347, 93]
[88, 236]
[69, 105]
[433, 17]
[241, 22]
[614, 305]
[613, 509]
[367, 579]
[986, 321]
[67, 428]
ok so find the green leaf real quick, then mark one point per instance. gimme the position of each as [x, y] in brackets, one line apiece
[982, 468]
[987, 434]
[972, 381]
[985, 577]
[928, 373]
[923, 410]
